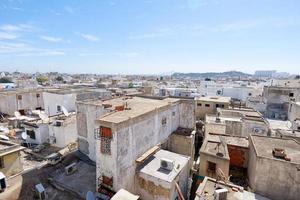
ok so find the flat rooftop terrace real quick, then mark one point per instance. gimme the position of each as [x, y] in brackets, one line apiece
[153, 168]
[215, 148]
[136, 106]
[265, 145]
[214, 99]
[209, 185]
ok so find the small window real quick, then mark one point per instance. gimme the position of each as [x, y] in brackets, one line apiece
[291, 94]
[217, 105]
[211, 167]
[19, 97]
[58, 108]
[207, 105]
[298, 128]
[222, 106]
[38, 95]
[199, 104]
[164, 121]
[250, 94]
[31, 134]
[1, 163]
[173, 113]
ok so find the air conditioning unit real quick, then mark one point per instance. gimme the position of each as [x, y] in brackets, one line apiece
[71, 169]
[257, 131]
[3, 183]
[59, 123]
[166, 164]
[220, 194]
[40, 192]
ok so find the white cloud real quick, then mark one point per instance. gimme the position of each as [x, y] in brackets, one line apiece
[128, 54]
[51, 39]
[89, 37]
[90, 54]
[7, 36]
[17, 28]
[69, 10]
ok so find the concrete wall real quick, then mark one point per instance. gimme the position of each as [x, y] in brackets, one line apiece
[221, 163]
[9, 102]
[134, 137]
[65, 134]
[41, 134]
[87, 114]
[12, 164]
[273, 178]
[52, 100]
[202, 110]
[294, 111]
[238, 156]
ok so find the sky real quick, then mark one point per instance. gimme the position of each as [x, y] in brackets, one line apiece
[149, 36]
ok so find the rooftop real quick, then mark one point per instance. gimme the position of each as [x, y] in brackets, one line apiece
[9, 147]
[209, 185]
[265, 145]
[215, 148]
[230, 140]
[134, 107]
[124, 195]
[153, 168]
[214, 99]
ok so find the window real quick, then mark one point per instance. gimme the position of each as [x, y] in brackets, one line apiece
[38, 95]
[217, 105]
[222, 106]
[207, 105]
[58, 108]
[31, 134]
[211, 167]
[250, 94]
[199, 104]
[19, 97]
[164, 121]
[173, 113]
[291, 94]
[106, 138]
[1, 163]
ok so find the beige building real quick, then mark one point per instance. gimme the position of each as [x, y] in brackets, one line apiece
[274, 165]
[10, 161]
[211, 189]
[209, 105]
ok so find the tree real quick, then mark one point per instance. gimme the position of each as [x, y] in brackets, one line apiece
[59, 78]
[5, 80]
[130, 85]
[42, 79]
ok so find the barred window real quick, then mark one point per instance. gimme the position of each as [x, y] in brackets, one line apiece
[105, 145]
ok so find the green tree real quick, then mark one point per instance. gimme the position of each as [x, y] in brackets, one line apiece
[59, 78]
[130, 85]
[42, 79]
[5, 80]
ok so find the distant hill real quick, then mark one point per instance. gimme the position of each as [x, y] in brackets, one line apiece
[211, 74]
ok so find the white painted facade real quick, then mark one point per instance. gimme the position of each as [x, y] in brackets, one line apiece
[52, 100]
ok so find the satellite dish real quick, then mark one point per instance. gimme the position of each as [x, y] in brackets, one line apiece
[64, 110]
[4, 137]
[90, 196]
[24, 136]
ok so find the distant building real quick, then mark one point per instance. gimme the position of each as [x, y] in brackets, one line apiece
[264, 74]
[209, 105]
[10, 161]
[273, 169]
[236, 122]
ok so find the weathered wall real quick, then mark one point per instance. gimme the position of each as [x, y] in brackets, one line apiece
[221, 163]
[87, 114]
[64, 134]
[273, 178]
[238, 156]
[41, 134]
[12, 164]
[52, 100]
[294, 111]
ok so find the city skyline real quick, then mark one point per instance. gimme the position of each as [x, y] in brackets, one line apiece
[149, 37]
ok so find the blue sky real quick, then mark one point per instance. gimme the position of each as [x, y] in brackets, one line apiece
[149, 36]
